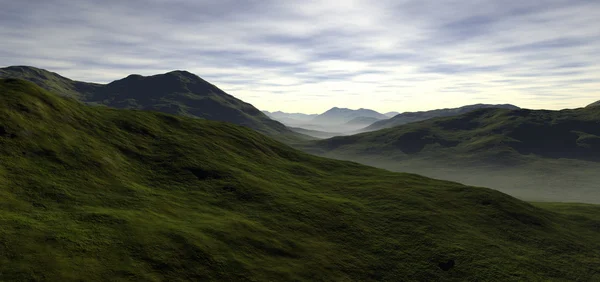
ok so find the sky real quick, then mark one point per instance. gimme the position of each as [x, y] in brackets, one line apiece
[308, 56]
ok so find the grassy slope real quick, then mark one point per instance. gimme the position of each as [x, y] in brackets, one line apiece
[51, 81]
[176, 92]
[100, 194]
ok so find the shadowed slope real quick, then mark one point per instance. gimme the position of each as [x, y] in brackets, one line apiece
[98, 194]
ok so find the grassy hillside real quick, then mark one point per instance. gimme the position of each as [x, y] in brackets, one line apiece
[530, 154]
[409, 117]
[595, 104]
[177, 92]
[51, 81]
[98, 194]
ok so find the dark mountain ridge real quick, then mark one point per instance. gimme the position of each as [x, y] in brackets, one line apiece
[177, 92]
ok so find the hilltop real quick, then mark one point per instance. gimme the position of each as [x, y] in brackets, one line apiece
[101, 194]
[595, 104]
[176, 92]
[409, 117]
[528, 153]
[52, 81]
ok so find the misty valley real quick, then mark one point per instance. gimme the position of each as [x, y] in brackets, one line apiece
[167, 177]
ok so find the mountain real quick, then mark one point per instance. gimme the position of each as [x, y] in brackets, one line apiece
[526, 153]
[362, 120]
[282, 116]
[101, 194]
[391, 114]
[342, 115]
[409, 117]
[176, 92]
[595, 104]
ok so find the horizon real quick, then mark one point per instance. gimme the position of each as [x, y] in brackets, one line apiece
[312, 113]
[408, 56]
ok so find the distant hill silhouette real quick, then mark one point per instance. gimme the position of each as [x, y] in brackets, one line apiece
[290, 119]
[343, 115]
[391, 114]
[408, 117]
[176, 92]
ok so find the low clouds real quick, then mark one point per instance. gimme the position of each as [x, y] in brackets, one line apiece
[307, 56]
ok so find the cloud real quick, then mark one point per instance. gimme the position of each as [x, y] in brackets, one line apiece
[308, 56]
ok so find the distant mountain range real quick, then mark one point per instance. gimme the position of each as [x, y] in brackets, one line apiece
[408, 117]
[391, 114]
[333, 122]
[176, 92]
[336, 116]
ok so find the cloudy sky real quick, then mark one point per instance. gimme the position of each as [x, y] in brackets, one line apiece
[308, 56]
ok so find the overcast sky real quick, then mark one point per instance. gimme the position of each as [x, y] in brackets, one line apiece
[308, 56]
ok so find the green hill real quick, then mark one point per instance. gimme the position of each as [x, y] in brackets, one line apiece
[177, 92]
[408, 117]
[516, 151]
[99, 194]
[595, 104]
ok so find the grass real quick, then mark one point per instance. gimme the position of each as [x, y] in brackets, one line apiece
[99, 194]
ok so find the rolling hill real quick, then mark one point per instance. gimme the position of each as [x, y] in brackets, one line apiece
[529, 154]
[176, 92]
[409, 117]
[101, 194]
[595, 104]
